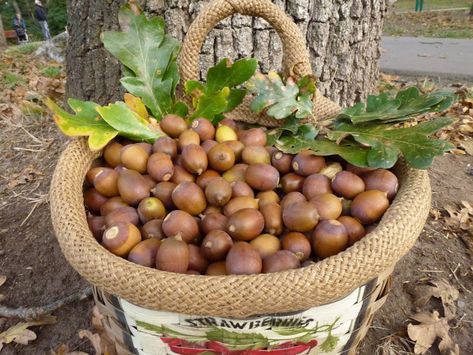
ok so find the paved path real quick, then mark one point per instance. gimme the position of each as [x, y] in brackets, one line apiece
[441, 57]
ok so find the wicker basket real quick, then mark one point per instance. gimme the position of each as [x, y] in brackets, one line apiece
[239, 297]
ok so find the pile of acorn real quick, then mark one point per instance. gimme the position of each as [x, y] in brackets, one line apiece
[218, 201]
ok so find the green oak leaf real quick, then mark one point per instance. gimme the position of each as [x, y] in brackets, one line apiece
[85, 122]
[149, 56]
[292, 127]
[406, 104]
[387, 143]
[225, 74]
[281, 100]
[127, 122]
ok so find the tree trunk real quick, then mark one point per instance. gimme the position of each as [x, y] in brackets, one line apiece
[343, 39]
[3, 40]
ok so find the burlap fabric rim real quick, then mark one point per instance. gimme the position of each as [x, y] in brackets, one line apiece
[232, 296]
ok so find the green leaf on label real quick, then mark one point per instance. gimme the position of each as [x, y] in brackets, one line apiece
[329, 343]
[149, 56]
[387, 143]
[238, 341]
[85, 122]
[407, 103]
[127, 122]
[281, 100]
[219, 94]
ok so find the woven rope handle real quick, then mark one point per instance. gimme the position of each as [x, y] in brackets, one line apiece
[295, 55]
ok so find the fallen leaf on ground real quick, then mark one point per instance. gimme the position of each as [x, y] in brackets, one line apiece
[439, 289]
[460, 218]
[94, 339]
[64, 350]
[3, 279]
[28, 174]
[19, 333]
[430, 328]
[467, 145]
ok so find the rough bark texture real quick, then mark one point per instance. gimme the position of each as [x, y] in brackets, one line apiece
[342, 36]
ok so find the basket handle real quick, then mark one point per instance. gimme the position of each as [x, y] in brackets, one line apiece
[295, 55]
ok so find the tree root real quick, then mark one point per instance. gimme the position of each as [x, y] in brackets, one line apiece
[30, 313]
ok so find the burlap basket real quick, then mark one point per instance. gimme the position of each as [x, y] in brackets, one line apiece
[236, 296]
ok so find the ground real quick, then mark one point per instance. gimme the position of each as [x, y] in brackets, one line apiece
[37, 273]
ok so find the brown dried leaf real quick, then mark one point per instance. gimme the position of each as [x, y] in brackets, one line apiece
[3, 279]
[19, 333]
[440, 289]
[94, 339]
[467, 145]
[64, 350]
[107, 345]
[430, 328]
[28, 174]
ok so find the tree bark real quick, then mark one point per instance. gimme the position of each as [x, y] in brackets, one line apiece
[3, 40]
[343, 38]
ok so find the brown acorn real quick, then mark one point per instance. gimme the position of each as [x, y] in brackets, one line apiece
[134, 157]
[300, 216]
[197, 260]
[305, 163]
[272, 213]
[180, 223]
[132, 187]
[237, 148]
[213, 221]
[181, 175]
[239, 203]
[194, 159]
[292, 197]
[153, 229]
[262, 177]
[111, 153]
[221, 157]
[235, 173]
[252, 137]
[228, 122]
[355, 229]
[297, 243]
[144, 253]
[94, 200]
[266, 245]
[207, 176]
[347, 184]
[166, 145]
[255, 155]
[369, 206]
[187, 137]
[241, 188]
[160, 167]
[265, 197]
[123, 214]
[121, 238]
[147, 147]
[106, 182]
[204, 128]
[90, 176]
[291, 182]
[243, 259]
[245, 224]
[329, 238]
[150, 181]
[173, 125]
[173, 256]
[316, 184]
[211, 209]
[151, 208]
[163, 191]
[280, 261]
[97, 226]
[215, 245]
[218, 192]
[382, 180]
[282, 162]
[208, 144]
[357, 170]
[112, 204]
[216, 269]
[328, 205]
[189, 197]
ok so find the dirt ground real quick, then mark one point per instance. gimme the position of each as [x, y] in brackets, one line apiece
[37, 273]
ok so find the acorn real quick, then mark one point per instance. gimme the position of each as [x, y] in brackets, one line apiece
[215, 245]
[181, 175]
[160, 167]
[189, 197]
[305, 163]
[166, 145]
[97, 226]
[216, 269]
[382, 180]
[265, 197]
[331, 170]
[197, 260]
[134, 157]
[207, 176]
[208, 144]
[194, 159]
[121, 238]
[180, 223]
[292, 182]
[106, 182]
[173, 255]
[282, 162]
[316, 184]
[357, 170]
[163, 191]
[219, 192]
[147, 147]
[328, 205]
[262, 177]
[144, 253]
[228, 122]
[297, 243]
[245, 224]
[235, 173]
[150, 181]
[347, 184]
[94, 200]
[151, 208]
[153, 229]
[132, 187]
[237, 148]
[211, 209]
[241, 189]
[329, 238]
[186, 138]
[221, 157]
[213, 221]
[204, 128]
[272, 214]
[225, 133]
[90, 176]
[111, 153]
[300, 216]
[112, 204]
[355, 229]
[280, 261]
[239, 203]
[173, 125]
[291, 198]
[255, 155]
[243, 259]
[266, 245]
[252, 137]
[123, 214]
[369, 206]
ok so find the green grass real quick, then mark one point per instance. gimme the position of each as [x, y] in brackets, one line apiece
[448, 24]
[27, 48]
[51, 72]
[11, 80]
[405, 5]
